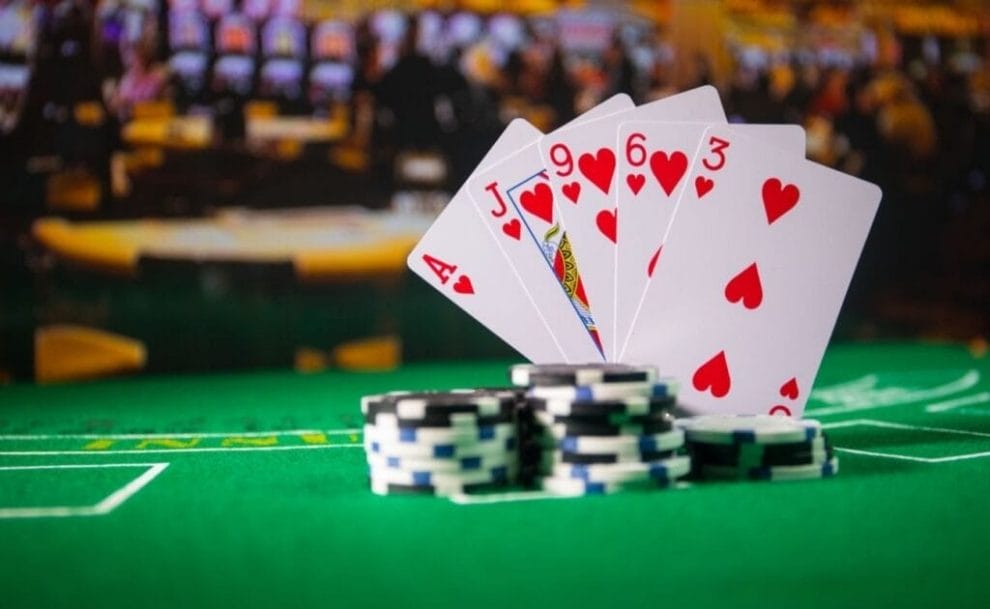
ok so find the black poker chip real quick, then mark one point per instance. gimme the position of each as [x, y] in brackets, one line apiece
[435, 408]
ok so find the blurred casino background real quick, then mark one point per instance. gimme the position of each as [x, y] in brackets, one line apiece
[192, 185]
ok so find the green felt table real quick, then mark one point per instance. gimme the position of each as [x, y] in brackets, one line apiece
[248, 490]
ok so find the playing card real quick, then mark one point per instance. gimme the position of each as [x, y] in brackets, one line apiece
[459, 257]
[752, 275]
[515, 200]
[653, 161]
[581, 162]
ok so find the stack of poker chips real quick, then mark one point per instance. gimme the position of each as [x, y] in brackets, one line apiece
[441, 443]
[757, 447]
[598, 429]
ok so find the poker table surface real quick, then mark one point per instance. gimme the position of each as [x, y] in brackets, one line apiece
[249, 490]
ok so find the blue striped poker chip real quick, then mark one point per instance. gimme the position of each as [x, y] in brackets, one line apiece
[669, 440]
[550, 458]
[385, 488]
[500, 473]
[568, 487]
[663, 470]
[605, 423]
[462, 464]
[496, 446]
[439, 435]
[740, 429]
[602, 392]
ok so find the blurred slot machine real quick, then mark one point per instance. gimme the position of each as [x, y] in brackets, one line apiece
[189, 44]
[389, 27]
[464, 29]
[257, 10]
[236, 45]
[17, 44]
[430, 41]
[333, 53]
[283, 47]
[506, 34]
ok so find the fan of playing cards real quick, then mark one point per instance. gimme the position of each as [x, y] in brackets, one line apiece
[658, 234]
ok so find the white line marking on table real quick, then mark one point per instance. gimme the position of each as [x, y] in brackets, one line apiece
[969, 400]
[890, 425]
[166, 436]
[172, 451]
[105, 506]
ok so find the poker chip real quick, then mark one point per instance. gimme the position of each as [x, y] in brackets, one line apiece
[439, 435]
[600, 392]
[633, 405]
[738, 429]
[457, 419]
[664, 470]
[817, 450]
[494, 447]
[441, 480]
[385, 487]
[575, 430]
[463, 464]
[562, 430]
[775, 473]
[552, 457]
[579, 488]
[604, 420]
[538, 375]
[441, 405]
[757, 447]
[669, 440]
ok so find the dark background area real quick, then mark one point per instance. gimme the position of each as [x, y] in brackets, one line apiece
[896, 93]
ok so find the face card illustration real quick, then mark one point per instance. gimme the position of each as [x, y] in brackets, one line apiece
[459, 257]
[753, 272]
[516, 202]
[581, 168]
[653, 163]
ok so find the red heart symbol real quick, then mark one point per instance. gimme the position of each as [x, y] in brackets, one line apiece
[635, 182]
[598, 168]
[668, 170]
[539, 202]
[778, 199]
[789, 389]
[572, 191]
[513, 228]
[745, 286]
[781, 410]
[653, 262]
[713, 375]
[606, 223]
[463, 285]
[702, 185]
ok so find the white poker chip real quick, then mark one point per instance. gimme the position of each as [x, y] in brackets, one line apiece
[500, 473]
[527, 375]
[662, 388]
[494, 447]
[739, 429]
[443, 466]
[460, 435]
[669, 440]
